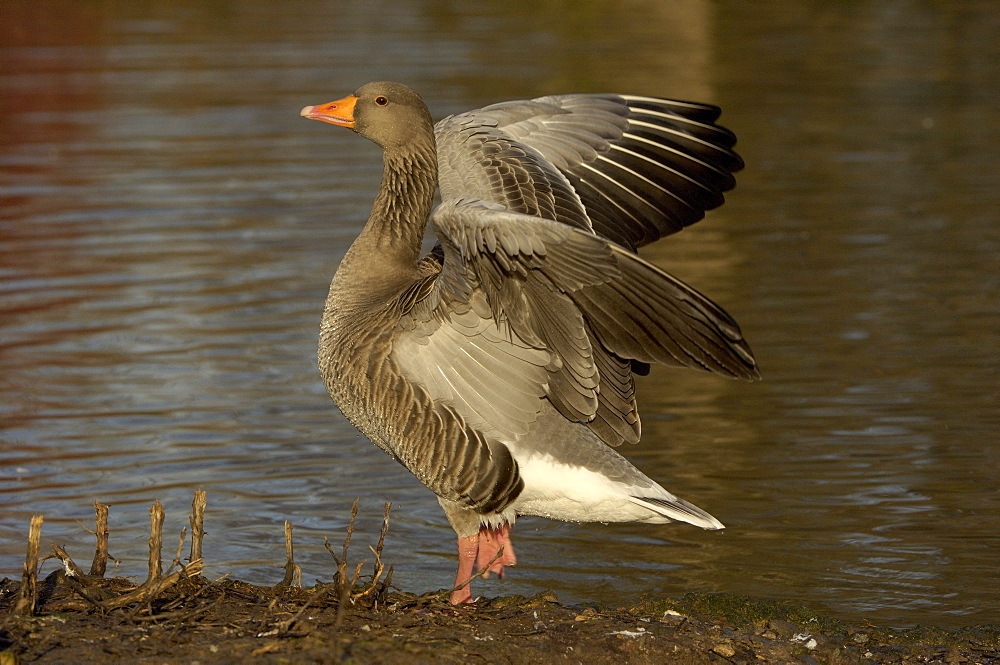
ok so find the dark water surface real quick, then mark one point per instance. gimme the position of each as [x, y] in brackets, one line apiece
[169, 226]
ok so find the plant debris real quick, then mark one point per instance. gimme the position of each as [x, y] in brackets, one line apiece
[179, 616]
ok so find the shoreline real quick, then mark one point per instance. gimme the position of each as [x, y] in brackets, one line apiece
[178, 615]
[228, 621]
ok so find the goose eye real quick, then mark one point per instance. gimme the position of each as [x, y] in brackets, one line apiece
[381, 101]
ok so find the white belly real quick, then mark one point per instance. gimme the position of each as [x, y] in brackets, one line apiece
[577, 494]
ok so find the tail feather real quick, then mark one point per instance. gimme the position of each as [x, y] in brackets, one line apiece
[678, 510]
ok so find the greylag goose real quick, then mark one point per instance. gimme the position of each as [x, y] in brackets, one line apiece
[499, 368]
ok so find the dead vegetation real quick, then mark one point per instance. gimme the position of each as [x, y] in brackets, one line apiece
[177, 615]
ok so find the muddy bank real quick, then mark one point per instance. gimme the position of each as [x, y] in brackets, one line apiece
[227, 621]
[177, 615]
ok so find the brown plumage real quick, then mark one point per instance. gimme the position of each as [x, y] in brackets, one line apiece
[499, 368]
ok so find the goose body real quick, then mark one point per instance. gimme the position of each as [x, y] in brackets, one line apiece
[499, 368]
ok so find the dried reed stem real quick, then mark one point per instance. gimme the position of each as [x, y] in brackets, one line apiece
[100, 564]
[156, 515]
[293, 574]
[25, 605]
[340, 579]
[350, 532]
[379, 566]
[180, 548]
[197, 524]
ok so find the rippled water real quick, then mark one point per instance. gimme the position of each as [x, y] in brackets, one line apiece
[169, 226]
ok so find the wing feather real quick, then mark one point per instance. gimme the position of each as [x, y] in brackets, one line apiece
[579, 309]
[632, 168]
[495, 382]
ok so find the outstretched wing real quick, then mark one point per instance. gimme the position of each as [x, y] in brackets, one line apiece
[633, 169]
[528, 311]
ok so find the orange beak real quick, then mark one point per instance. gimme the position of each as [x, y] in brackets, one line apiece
[340, 112]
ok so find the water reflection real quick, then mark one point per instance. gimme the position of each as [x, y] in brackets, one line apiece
[168, 227]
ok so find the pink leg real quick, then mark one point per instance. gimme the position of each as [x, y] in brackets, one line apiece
[468, 547]
[491, 540]
[475, 552]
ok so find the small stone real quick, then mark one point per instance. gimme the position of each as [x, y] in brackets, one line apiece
[784, 629]
[546, 597]
[954, 657]
[671, 616]
[724, 650]
[807, 640]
